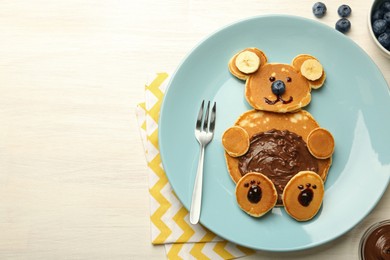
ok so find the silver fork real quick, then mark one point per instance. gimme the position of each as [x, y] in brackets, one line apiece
[204, 132]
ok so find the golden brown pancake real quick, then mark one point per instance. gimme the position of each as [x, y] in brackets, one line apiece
[303, 194]
[235, 71]
[254, 122]
[320, 143]
[297, 63]
[235, 140]
[258, 91]
[256, 194]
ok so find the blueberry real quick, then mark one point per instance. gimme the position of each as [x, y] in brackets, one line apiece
[378, 14]
[343, 25]
[385, 6]
[319, 9]
[379, 26]
[386, 17]
[384, 39]
[344, 10]
[278, 87]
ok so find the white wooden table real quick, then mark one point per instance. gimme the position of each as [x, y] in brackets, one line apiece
[73, 179]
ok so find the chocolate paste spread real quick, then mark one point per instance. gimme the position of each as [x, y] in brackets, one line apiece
[279, 155]
[377, 244]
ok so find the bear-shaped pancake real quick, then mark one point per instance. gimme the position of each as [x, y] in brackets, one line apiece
[277, 139]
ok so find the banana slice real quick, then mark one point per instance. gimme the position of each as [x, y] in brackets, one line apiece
[247, 62]
[312, 69]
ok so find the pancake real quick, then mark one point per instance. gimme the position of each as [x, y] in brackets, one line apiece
[236, 72]
[297, 63]
[320, 143]
[295, 125]
[235, 140]
[256, 194]
[258, 89]
[303, 195]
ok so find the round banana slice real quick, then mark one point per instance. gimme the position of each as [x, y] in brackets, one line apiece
[247, 62]
[303, 194]
[235, 140]
[256, 194]
[312, 69]
[320, 143]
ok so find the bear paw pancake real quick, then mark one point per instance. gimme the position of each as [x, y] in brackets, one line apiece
[320, 143]
[256, 194]
[235, 140]
[303, 194]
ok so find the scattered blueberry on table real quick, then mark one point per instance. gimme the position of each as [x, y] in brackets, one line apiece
[343, 25]
[319, 9]
[380, 21]
[344, 11]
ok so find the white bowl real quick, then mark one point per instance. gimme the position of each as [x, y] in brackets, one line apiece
[374, 6]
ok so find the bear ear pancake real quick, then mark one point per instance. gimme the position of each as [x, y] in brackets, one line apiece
[236, 72]
[297, 63]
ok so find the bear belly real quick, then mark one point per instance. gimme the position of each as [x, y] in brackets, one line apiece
[279, 155]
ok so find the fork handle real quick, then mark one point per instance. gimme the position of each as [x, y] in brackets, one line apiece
[197, 191]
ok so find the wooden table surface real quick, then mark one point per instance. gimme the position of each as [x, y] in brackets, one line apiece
[73, 177]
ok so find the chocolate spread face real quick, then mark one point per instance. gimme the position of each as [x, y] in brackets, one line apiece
[377, 245]
[279, 155]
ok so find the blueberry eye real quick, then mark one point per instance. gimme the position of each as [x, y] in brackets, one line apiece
[288, 79]
[272, 79]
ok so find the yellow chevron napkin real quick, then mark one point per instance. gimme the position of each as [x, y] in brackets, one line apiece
[170, 224]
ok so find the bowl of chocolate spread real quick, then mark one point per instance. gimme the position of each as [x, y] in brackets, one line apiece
[375, 242]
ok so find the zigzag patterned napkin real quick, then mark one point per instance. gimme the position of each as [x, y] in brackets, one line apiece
[170, 224]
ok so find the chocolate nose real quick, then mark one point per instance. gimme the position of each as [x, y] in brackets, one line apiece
[278, 87]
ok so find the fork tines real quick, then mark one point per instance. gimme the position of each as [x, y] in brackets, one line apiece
[209, 118]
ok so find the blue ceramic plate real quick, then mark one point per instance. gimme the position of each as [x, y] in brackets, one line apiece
[354, 104]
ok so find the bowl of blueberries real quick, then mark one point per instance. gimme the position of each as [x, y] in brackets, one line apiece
[379, 24]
